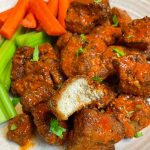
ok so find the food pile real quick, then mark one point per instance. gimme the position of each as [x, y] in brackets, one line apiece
[88, 87]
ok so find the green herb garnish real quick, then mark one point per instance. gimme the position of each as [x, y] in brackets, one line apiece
[118, 52]
[62, 59]
[59, 86]
[80, 51]
[56, 129]
[97, 1]
[138, 106]
[130, 36]
[138, 134]
[15, 101]
[102, 111]
[115, 21]
[97, 79]
[83, 37]
[130, 113]
[36, 54]
[13, 127]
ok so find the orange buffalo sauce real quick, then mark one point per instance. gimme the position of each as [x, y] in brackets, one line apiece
[30, 144]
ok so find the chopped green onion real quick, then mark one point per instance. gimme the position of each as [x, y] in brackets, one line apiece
[138, 106]
[97, 1]
[15, 101]
[115, 21]
[56, 129]
[13, 127]
[62, 59]
[83, 37]
[118, 52]
[36, 54]
[130, 113]
[138, 134]
[80, 51]
[130, 36]
[102, 111]
[97, 79]
[59, 86]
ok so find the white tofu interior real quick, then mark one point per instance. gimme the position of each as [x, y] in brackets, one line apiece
[78, 94]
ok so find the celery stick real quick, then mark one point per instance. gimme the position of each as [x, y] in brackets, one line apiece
[8, 49]
[7, 55]
[2, 39]
[5, 76]
[5, 44]
[32, 40]
[2, 117]
[5, 100]
[21, 39]
[3, 114]
[7, 81]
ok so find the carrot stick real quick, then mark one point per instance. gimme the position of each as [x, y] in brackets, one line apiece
[48, 22]
[62, 13]
[29, 21]
[14, 19]
[53, 7]
[4, 15]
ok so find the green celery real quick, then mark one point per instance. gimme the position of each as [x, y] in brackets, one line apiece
[7, 55]
[5, 100]
[32, 40]
[21, 39]
[2, 39]
[7, 81]
[5, 76]
[7, 50]
[3, 114]
[5, 44]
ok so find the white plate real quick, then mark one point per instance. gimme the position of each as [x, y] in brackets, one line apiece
[137, 9]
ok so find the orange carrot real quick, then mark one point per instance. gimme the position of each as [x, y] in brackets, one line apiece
[4, 15]
[48, 22]
[14, 19]
[53, 7]
[29, 21]
[62, 12]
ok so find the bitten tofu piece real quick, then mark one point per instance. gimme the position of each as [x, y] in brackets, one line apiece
[83, 17]
[94, 128]
[137, 33]
[77, 93]
[133, 112]
[134, 75]
[20, 129]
